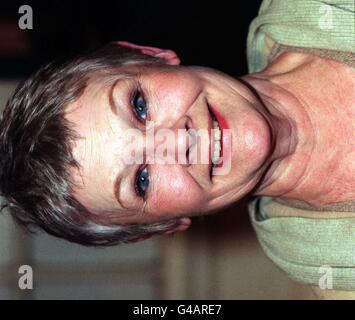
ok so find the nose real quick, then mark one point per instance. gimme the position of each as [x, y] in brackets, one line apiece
[173, 145]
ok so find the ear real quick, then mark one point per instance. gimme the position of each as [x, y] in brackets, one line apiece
[183, 224]
[169, 56]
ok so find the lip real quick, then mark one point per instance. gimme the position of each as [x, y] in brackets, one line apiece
[223, 125]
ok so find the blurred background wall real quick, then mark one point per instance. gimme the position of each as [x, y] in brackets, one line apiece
[219, 257]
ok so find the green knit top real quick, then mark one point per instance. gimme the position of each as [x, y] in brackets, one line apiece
[319, 251]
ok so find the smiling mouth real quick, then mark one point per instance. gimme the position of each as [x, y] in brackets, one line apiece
[216, 142]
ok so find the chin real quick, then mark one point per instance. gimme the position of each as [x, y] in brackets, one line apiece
[257, 146]
[249, 151]
[251, 148]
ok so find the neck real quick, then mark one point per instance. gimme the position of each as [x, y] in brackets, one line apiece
[296, 170]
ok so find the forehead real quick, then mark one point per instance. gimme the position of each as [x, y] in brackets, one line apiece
[90, 119]
[88, 105]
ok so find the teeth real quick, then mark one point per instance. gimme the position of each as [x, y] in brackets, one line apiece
[216, 152]
[217, 134]
[217, 143]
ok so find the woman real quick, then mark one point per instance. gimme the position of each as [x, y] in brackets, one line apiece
[285, 132]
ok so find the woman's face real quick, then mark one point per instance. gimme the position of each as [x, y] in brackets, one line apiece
[173, 99]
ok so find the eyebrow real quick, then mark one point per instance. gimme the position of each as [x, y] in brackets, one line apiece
[117, 191]
[111, 100]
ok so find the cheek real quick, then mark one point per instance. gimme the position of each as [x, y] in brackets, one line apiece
[175, 192]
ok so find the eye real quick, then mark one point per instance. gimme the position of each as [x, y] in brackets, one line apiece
[139, 106]
[142, 182]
